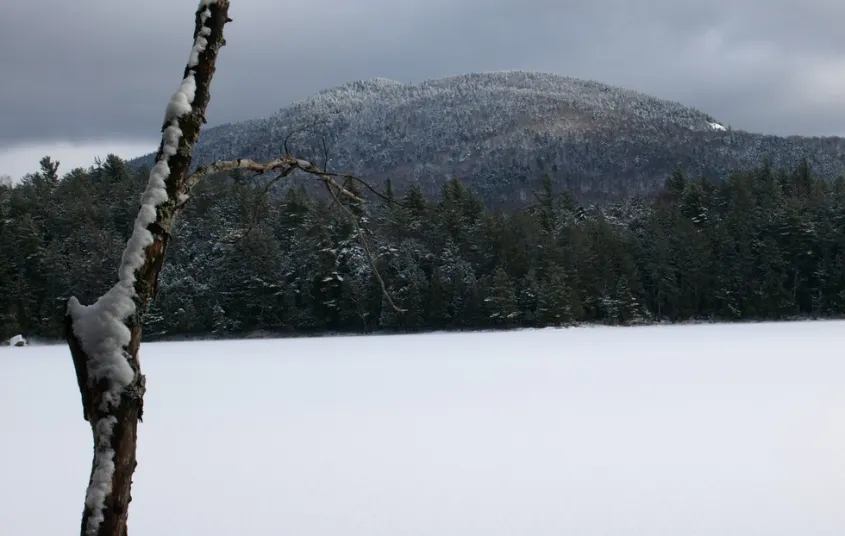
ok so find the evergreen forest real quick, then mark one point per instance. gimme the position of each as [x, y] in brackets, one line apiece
[246, 259]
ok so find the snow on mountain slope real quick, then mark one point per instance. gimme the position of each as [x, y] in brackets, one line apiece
[502, 131]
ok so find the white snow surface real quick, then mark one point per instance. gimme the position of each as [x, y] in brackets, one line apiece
[683, 431]
[717, 126]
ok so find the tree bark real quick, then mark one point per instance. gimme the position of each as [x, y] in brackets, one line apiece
[114, 408]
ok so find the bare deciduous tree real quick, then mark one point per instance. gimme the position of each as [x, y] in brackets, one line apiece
[104, 338]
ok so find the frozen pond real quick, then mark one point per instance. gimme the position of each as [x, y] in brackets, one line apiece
[678, 431]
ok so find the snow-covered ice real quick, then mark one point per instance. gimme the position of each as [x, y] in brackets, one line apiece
[683, 431]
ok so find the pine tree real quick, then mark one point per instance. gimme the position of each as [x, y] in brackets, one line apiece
[556, 302]
[528, 298]
[500, 301]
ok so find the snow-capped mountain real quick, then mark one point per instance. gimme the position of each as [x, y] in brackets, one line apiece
[500, 132]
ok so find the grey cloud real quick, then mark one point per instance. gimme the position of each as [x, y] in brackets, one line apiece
[98, 68]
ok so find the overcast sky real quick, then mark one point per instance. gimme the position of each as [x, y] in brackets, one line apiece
[90, 77]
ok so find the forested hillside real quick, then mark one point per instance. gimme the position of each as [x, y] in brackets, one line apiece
[500, 132]
[764, 244]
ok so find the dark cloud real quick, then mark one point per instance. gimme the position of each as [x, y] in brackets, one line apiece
[104, 69]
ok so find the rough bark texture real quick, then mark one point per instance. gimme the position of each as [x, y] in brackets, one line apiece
[129, 412]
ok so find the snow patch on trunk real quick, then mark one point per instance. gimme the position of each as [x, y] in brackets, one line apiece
[101, 478]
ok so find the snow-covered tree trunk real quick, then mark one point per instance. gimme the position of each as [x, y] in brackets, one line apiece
[104, 337]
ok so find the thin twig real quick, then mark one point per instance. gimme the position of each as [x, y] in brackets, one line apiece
[364, 244]
[260, 205]
[296, 131]
[325, 154]
[379, 194]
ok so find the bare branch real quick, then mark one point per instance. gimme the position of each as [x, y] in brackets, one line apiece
[289, 160]
[260, 205]
[285, 166]
[231, 165]
[369, 187]
[365, 245]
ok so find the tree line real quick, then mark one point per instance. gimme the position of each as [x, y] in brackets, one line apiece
[764, 244]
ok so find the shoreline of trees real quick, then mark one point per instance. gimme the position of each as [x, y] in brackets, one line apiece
[763, 245]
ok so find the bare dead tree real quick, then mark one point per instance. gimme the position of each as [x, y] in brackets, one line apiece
[105, 337]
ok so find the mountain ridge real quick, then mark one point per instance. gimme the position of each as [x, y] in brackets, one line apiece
[500, 132]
